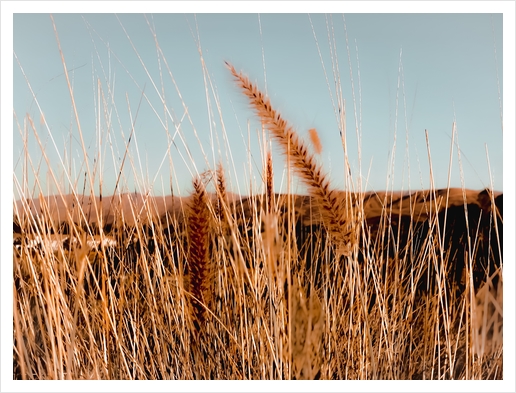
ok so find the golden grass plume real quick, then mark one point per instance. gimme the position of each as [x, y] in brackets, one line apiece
[198, 253]
[335, 218]
[316, 141]
[269, 175]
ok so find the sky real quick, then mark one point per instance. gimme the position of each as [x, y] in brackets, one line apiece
[399, 74]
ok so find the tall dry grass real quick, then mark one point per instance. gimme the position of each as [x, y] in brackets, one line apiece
[219, 287]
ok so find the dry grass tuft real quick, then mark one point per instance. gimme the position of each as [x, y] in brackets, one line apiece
[307, 333]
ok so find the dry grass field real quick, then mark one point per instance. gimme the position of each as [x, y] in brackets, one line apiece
[208, 287]
[329, 285]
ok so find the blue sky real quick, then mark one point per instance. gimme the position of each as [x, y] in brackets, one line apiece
[409, 72]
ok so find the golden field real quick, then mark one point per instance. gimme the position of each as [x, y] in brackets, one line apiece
[329, 285]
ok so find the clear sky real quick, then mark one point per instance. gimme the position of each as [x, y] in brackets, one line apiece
[409, 73]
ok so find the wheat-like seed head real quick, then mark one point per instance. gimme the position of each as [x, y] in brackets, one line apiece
[336, 218]
[222, 198]
[198, 253]
[269, 175]
[316, 141]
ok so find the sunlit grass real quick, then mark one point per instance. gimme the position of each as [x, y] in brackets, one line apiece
[266, 286]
